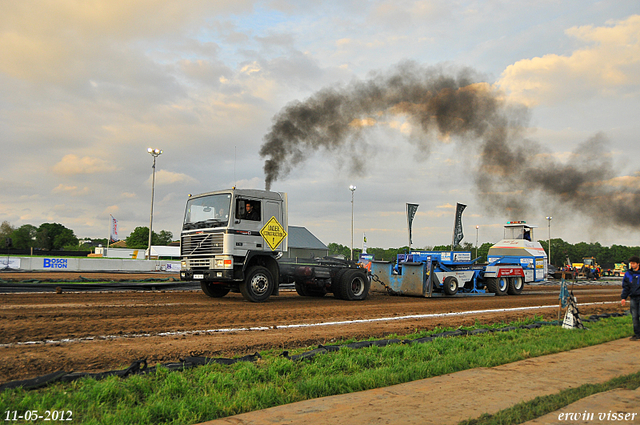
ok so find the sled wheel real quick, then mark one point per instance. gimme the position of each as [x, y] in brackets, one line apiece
[516, 284]
[497, 285]
[450, 285]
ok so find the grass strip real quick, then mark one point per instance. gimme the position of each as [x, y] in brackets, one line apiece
[216, 391]
[540, 406]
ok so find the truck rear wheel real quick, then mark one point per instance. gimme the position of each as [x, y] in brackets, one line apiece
[317, 293]
[214, 290]
[305, 291]
[497, 285]
[258, 284]
[450, 285]
[336, 283]
[354, 285]
[300, 289]
[515, 285]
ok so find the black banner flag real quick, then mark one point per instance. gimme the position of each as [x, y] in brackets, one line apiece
[457, 228]
[411, 212]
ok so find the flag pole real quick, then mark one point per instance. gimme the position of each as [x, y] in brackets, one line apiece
[109, 237]
[409, 227]
[455, 221]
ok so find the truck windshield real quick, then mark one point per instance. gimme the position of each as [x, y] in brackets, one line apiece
[207, 211]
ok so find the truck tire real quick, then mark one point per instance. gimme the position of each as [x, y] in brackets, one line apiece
[316, 293]
[450, 285]
[516, 284]
[354, 285]
[301, 290]
[304, 291]
[497, 285]
[214, 290]
[258, 284]
[336, 283]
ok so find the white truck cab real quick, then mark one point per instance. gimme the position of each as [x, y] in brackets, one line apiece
[227, 234]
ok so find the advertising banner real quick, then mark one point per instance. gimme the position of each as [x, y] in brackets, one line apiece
[458, 235]
[113, 233]
[411, 212]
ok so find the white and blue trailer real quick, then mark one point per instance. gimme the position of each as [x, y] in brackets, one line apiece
[512, 262]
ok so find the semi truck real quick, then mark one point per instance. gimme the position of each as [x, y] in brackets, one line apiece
[515, 260]
[233, 240]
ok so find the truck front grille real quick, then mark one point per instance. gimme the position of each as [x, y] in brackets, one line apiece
[200, 263]
[201, 244]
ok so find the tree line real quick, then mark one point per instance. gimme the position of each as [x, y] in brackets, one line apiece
[561, 252]
[55, 236]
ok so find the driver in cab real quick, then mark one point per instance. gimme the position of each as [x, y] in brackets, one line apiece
[250, 212]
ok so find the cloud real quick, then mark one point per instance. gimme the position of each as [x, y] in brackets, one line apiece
[164, 177]
[55, 42]
[110, 210]
[71, 190]
[71, 164]
[205, 71]
[608, 64]
[394, 14]
[253, 183]
[447, 206]
[630, 182]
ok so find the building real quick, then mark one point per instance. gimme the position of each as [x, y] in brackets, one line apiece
[303, 244]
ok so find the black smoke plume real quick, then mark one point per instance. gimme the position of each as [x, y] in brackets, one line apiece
[512, 174]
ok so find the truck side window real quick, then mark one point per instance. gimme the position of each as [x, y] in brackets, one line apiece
[248, 210]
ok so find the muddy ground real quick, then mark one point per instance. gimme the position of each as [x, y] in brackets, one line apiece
[95, 331]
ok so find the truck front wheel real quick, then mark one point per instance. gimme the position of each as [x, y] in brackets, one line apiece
[354, 285]
[258, 284]
[515, 285]
[498, 285]
[214, 290]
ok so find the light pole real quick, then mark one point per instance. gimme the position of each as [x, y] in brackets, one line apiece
[154, 153]
[549, 239]
[477, 230]
[352, 188]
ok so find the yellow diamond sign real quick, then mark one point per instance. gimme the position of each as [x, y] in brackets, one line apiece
[273, 233]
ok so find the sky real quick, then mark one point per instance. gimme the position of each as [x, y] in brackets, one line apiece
[87, 86]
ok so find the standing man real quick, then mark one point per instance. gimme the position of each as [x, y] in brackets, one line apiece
[631, 289]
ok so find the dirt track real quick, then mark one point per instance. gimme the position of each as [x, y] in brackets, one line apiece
[124, 326]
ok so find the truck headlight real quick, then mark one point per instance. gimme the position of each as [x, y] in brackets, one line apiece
[183, 263]
[225, 262]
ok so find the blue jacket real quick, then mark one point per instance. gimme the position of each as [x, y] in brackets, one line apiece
[631, 284]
